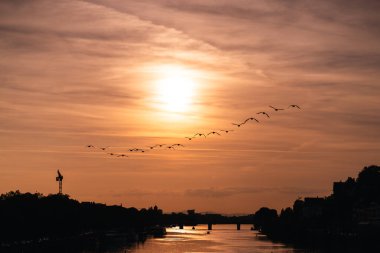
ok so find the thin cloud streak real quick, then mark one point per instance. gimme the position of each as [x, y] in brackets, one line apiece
[231, 191]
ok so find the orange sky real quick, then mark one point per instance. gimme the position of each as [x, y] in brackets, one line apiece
[130, 74]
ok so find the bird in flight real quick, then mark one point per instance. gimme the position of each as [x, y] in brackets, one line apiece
[238, 124]
[242, 123]
[178, 145]
[294, 106]
[90, 146]
[252, 118]
[226, 131]
[213, 132]
[276, 109]
[264, 113]
[110, 153]
[104, 148]
[157, 145]
[136, 150]
[199, 134]
[190, 138]
[122, 155]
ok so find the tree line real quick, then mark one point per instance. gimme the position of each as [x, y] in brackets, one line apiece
[349, 216]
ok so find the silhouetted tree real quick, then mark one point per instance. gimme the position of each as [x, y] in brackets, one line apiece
[265, 219]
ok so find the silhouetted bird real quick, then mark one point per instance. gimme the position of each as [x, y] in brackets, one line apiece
[90, 146]
[294, 106]
[136, 150]
[264, 113]
[252, 118]
[199, 134]
[104, 148]
[152, 147]
[276, 109]
[178, 145]
[213, 132]
[110, 153]
[245, 121]
[226, 131]
[190, 138]
[238, 124]
[122, 155]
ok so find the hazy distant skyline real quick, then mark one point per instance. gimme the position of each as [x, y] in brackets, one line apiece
[106, 73]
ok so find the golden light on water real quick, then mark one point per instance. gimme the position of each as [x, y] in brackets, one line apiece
[176, 89]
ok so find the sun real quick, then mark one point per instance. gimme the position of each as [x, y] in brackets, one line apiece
[176, 89]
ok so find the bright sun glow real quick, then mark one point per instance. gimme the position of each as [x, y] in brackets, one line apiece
[176, 89]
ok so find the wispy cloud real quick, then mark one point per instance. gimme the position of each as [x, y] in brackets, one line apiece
[232, 191]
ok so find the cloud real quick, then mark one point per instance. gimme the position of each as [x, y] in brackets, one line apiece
[233, 191]
[140, 193]
[78, 72]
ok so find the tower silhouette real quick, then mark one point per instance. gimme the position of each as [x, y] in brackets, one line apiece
[59, 178]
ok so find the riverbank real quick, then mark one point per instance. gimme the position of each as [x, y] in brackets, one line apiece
[95, 241]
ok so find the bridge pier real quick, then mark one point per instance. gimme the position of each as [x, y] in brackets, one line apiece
[180, 226]
[238, 226]
[209, 226]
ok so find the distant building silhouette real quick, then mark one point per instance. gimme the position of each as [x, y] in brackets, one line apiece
[349, 216]
[344, 189]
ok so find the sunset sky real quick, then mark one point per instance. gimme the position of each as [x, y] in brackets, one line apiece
[129, 74]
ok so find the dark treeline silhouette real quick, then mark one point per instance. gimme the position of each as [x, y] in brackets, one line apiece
[349, 216]
[35, 218]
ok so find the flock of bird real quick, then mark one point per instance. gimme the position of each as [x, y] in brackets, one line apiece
[196, 135]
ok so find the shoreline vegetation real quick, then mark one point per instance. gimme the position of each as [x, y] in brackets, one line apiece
[349, 217]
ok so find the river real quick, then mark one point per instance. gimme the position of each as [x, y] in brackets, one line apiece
[223, 238]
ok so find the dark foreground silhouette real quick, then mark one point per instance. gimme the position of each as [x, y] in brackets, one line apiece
[30, 219]
[33, 218]
[349, 217]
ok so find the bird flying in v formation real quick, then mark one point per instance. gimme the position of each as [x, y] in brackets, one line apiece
[276, 109]
[173, 146]
[294, 106]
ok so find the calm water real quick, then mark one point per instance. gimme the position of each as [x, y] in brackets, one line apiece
[223, 238]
